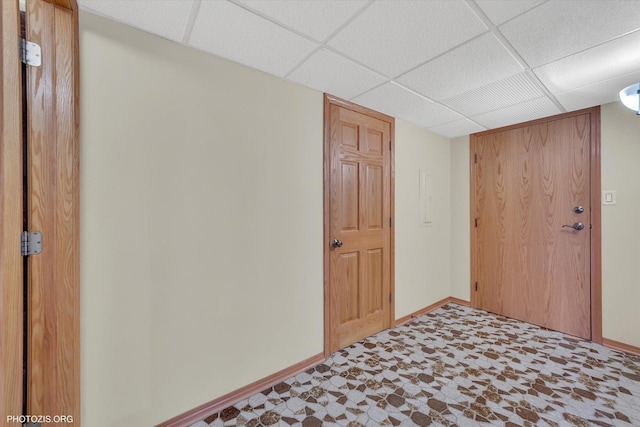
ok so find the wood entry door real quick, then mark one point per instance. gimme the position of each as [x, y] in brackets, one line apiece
[532, 219]
[358, 215]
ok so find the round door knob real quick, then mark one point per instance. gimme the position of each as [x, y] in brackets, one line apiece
[336, 243]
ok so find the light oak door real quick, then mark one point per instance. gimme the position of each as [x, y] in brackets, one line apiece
[532, 223]
[11, 193]
[53, 319]
[359, 238]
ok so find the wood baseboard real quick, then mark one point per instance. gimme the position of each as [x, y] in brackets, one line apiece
[217, 405]
[616, 345]
[435, 305]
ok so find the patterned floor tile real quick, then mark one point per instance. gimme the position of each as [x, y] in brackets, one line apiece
[455, 366]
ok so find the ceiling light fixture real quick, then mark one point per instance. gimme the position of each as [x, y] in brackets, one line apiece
[630, 97]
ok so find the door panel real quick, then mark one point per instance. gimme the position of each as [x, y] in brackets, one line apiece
[529, 265]
[358, 211]
[11, 215]
[375, 200]
[53, 365]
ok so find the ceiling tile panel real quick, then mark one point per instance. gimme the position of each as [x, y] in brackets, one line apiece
[559, 28]
[229, 31]
[597, 93]
[167, 18]
[512, 90]
[317, 19]
[394, 36]
[329, 72]
[457, 128]
[394, 100]
[476, 63]
[530, 110]
[618, 57]
[500, 11]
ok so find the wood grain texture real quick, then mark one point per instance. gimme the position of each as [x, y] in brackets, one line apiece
[53, 364]
[209, 408]
[66, 4]
[525, 184]
[358, 205]
[11, 271]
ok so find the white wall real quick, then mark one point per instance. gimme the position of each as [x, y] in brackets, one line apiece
[423, 260]
[201, 225]
[620, 225]
[460, 214]
[201, 213]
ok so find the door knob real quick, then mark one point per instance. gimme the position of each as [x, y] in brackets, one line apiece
[577, 226]
[336, 243]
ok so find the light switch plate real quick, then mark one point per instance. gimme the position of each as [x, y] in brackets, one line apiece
[609, 197]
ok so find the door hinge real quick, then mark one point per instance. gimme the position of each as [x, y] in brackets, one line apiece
[389, 145]
[31, 243]
[476, 222]
[476, 286]
[389, 296]
[475, 158]
[390, 223]
[30, 53]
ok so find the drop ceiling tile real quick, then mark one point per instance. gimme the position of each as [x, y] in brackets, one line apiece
[476, 63]
[559, 28]
[529, 110]
[329, 72]
[166, 18]
[509, 91]
[394, 100]
[598, 93]
[457, 128]
[229, 31]
[500, 11]
[608, 60]
[394, 36]
[317, 19]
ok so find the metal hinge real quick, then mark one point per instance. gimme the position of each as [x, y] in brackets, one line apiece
[476, 286]
[389, 145]
[31, 243]
[475, 158]
[476, 222]
[389, 296]
[30, 53]
[390, 223]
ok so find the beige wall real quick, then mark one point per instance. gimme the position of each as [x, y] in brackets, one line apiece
[620, 225]
[423, 262]
[460, 214]
[201, 226]
[201, 216]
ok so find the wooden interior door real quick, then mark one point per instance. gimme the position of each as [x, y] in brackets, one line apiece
[53, 319]
[530, 185]
[359, 240]
[11, 215]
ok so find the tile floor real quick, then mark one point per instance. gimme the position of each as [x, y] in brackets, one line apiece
[455, 366]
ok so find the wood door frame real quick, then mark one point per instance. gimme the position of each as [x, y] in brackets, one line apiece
[11, 214]
[596, 221]
[61, 389]
[330, 100]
